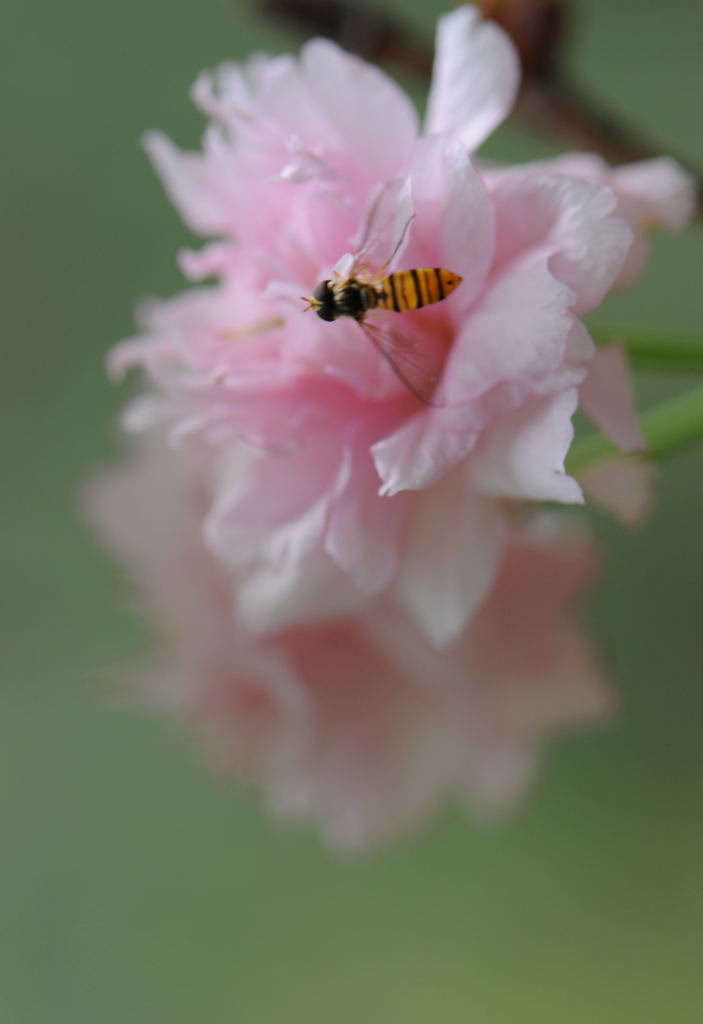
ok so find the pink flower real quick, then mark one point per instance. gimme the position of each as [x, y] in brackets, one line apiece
[357, 724]
[331, 538]
[334, 483]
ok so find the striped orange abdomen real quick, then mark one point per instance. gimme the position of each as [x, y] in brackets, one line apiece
[405, 290]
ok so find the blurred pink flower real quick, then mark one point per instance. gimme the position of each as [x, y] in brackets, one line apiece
[354, 608]
[333, 482]
[356, 725]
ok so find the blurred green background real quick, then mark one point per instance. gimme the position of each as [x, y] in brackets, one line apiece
[134, 887]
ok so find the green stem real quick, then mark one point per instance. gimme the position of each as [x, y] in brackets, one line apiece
[668, 427]
[656, 351]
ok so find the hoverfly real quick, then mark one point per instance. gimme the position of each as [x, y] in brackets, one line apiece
[362, 289]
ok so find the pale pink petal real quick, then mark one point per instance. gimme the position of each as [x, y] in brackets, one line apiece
[254, 724]
[453, 225]
[273, 506]
[147, 511]
[347, 90]
[591, 242]
[625, 487]
[607, 398]
[651, 194]
[496, 777]
[146, 412]
[296, 581]
[212, 260]
[424, 449]
[523, 456]
[538, 673]
[364, 529]
[519, 328]
[233, 88]
[664, 193]
[221, 92]
[378, 757]
[579, 345]
[573, 221]
[287, 103]
[304, 167]
[451, 559]
[147, 352]
[287, 576]
[193, 183]
[475, 77]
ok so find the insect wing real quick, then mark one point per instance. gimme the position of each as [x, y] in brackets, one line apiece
[385, 229]
[410, 360]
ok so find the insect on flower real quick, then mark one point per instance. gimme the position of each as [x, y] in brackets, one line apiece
[365, 287]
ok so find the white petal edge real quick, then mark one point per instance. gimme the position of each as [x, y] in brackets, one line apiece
[475, 77]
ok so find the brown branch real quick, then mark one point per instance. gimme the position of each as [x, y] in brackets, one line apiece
[360, 28]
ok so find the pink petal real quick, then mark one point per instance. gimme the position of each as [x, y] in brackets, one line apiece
[495, 777]
[212, 260]
[475, 77]
[665, 192]
[523, 457]
[193, 184]
[269, 521]
[364, 529]
[287, 102]
[450, 561]
[233, 89]
[137, 352]
[254, 722]
[607, 399]
[519, 328]
[424, 449]
[579, 345]
[369, 113]
[453, 224]
[269, 505]
[574, 222]
[378, 753]
[651, 193]
[537, 671]
[298, 583]
[624, 487]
